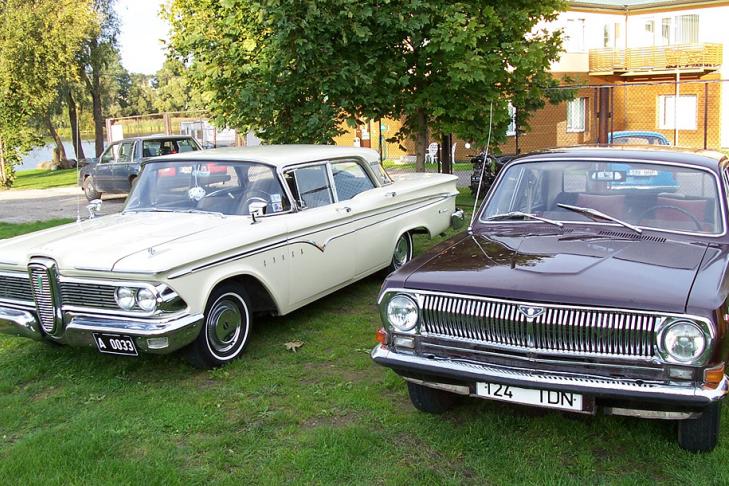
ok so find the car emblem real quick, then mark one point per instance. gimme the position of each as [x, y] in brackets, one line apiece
[531, 312]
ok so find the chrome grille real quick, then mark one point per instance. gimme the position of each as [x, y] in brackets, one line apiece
[88, 295]
[557, 330]
[40, 283]
[15, 287]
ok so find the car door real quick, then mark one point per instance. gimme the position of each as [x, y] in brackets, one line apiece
[103, 171]
[320, 241]
[122, 167]
[354, 186]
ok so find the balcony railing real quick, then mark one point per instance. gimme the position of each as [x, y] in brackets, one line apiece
[648, 60]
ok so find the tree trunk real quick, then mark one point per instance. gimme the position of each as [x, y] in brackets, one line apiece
[3, 174]
[59, 153]
[421, 139]
[98, 116]
[75, 130]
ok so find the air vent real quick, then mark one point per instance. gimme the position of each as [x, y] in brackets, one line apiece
[632, 236]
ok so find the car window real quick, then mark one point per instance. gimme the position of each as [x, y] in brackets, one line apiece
[310, 186]
[125, 152]
[350, 179]
[110, 154]
[186, 145]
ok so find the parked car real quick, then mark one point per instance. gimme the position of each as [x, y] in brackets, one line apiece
[568, 293]
[207, 240]
[492, 169]
[637, 137]
[642, 179]
[119, 165]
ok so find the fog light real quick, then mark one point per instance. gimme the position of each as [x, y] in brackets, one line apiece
[404, 342]
[681, 373]
[158, 343]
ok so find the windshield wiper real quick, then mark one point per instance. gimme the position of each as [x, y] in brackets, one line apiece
[520, 214]
[170, 210]
[594, 213]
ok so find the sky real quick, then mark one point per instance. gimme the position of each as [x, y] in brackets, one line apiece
[141, 33]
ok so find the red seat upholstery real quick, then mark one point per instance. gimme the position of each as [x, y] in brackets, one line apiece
[694, 207]
[612, 205]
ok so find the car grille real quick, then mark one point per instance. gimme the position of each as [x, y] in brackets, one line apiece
[15, 288]
[40, 277]
[556, 330]
[88, 295]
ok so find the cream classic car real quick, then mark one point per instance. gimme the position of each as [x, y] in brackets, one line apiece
[209, 239]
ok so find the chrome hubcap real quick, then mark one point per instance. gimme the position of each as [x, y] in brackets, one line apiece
[224, 325]
[402, 252]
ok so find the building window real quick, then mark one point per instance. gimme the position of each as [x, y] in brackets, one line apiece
[681, 29]
[574, 35]
[681, 115]
[576, 115]
[511, 129]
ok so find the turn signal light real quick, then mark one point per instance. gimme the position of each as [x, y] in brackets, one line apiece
[381, 336]
[713, 376]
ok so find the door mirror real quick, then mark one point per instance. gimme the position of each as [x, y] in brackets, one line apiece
[257, 209]
[93, 208]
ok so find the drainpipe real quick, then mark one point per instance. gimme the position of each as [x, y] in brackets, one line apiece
[676, 94]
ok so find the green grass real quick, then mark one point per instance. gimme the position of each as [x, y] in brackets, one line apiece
[8, 230]
[43, 179]
[325, 414]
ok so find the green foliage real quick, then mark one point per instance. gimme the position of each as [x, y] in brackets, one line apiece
[296, 70]
[39, 40]
[173, 91]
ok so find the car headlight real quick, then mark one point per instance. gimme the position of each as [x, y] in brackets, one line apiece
[125, 298]
[683, 341]
[402, 313]
[146, 300]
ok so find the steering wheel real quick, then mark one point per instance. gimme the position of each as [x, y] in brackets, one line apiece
[693, 219]
[223, 191]
[256, 196]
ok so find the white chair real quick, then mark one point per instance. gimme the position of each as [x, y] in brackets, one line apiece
[431, 155]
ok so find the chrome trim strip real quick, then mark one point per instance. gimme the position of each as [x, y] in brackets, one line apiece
[15, 274]
[611, 160]
[650, 414]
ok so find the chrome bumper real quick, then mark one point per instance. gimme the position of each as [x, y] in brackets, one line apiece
[469, 373]
[78, 329]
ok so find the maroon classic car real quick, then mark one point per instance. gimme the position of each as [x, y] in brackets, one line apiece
[576, 291]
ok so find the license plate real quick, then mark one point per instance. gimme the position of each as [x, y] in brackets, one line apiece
[115, 344]
[528, 396]
[643, 172]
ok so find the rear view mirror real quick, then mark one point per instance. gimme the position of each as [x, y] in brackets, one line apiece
[257, 209]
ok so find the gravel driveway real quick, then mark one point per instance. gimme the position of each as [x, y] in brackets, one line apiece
[25, 205]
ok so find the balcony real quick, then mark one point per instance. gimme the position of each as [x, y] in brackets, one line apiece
[642, 61]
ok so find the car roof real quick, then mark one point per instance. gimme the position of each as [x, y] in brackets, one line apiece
[276, 155]
[160, 136]
[649, 153]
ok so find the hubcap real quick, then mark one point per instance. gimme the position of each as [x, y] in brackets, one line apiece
[402, 252]
[224, 325]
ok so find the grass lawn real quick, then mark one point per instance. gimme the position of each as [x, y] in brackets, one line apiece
[8, 230]
[43, 179]
[324, 414]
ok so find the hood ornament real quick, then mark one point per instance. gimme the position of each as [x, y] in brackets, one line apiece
[531, 312]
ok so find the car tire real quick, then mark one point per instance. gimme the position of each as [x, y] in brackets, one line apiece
[226, 329]
[430, 400]
[402, 253]
[90, 190]
[700, 434]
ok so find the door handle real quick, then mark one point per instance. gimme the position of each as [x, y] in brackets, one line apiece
[344, 209]
[390, 194]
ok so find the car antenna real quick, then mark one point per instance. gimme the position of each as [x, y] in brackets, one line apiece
[483, 166]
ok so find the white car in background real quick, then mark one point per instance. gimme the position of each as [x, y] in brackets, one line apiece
[209, 239]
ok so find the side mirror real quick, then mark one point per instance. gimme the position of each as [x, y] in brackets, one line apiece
[257, 209]
[94, 207]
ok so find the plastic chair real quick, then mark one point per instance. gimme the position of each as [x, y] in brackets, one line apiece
[431, 155]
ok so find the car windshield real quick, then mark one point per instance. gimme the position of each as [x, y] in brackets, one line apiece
[631, 194]
[230, 188]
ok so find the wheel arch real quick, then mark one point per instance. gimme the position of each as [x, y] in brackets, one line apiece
[261, 298]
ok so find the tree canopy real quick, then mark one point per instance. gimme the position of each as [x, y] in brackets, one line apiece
[294, 71]
[39, 40]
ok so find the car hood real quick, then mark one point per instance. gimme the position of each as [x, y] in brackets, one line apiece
[134, 242]
[647, 274]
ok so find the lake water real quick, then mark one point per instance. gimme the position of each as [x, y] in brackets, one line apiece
[45, 153]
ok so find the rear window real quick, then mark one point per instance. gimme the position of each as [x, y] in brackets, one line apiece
[155, 148]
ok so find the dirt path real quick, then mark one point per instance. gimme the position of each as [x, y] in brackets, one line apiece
[25, 205]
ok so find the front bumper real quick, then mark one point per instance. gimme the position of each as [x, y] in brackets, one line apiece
[180, 329]
[442, 373]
